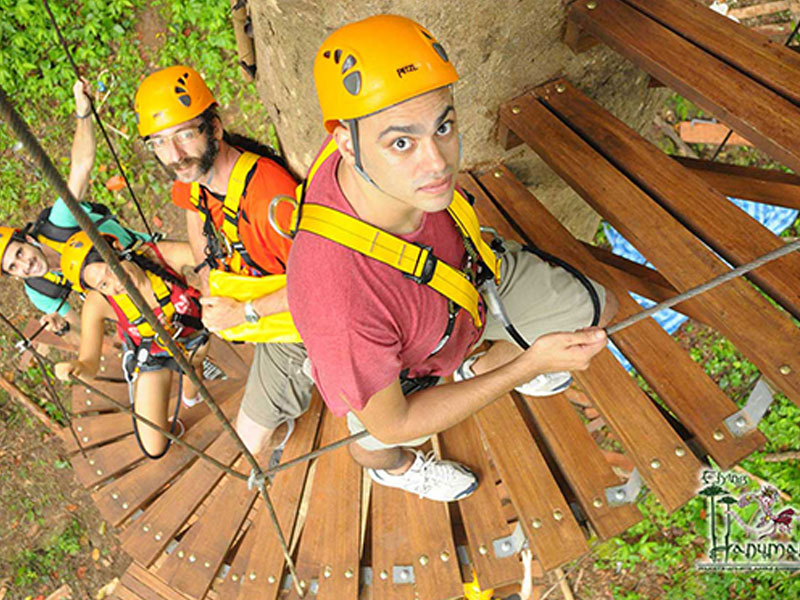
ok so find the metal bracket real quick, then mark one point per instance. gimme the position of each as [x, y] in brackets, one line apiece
[627, 492]
[463, 555]
[510, 544]
[366, 575]
[747, 419]
[403, 575]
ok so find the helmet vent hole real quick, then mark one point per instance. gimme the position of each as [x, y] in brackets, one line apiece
[337, 56]
[349, 63]
[327, 54]
[185, 99]
[182, 80]
[426, 34]
[180, 90]
[440, 51]
[352, 82]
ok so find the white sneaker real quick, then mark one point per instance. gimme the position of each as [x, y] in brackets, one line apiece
[190, 402]
[546, 384]
[212, 371]
[431, 478]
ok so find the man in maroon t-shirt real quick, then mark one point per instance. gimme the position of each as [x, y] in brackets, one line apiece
[371, 332]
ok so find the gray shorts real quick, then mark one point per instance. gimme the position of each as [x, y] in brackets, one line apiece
[278, 387]
[539, 298]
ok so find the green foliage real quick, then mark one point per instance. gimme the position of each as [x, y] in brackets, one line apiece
[40, 564]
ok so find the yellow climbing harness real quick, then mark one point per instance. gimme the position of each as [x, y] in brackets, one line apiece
[234, 282]
[134, 316]
[415, 261]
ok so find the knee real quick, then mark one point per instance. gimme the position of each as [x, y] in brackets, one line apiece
[253, 435]
[610, 309]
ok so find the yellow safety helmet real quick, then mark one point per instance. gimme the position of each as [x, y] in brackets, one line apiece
[7, 235]
[170, 97]
[473, 591]
[375, 63]
[73, 257]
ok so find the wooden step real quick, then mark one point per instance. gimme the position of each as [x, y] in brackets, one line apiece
[767, 336]
[730, 81]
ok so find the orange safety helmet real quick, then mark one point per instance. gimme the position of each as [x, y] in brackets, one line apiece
[473, 591]
[372, 64]
[73, 257]
[170, 97]
[7, 235]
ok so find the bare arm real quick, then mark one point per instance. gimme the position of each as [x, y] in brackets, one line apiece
[393, 418]
[95, 310]
[83, 145]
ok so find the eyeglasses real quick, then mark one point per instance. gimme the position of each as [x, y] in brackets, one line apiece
[181, 138]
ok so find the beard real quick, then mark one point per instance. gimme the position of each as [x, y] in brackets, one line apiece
[203, 163]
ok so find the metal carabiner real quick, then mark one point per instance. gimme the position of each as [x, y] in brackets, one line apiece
[273, 221]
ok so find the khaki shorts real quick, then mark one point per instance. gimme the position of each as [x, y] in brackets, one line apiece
[278, 387]
[539, 298]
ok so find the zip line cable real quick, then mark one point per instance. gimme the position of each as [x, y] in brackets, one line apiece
[54, 178]
[97, 118]
[46, 376]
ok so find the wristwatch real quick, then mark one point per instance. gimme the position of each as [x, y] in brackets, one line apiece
[250, 314]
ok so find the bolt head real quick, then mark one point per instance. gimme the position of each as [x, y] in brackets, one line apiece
[597, 503]
[192, 558]
[404, 575]
[680, 451]
[146, 528]
[92, 461]
[515, 110]
[79, 428]
[384, 575]
[655, 464]
[718, 435]
[99, 471]
[181, 553]
[207, 565]
[348, 574]
[536, 523]
[327, 572]
[785, 369]
[158, 536]
[88, 391]
[252, 576]
[85, 439]
[620, 494]
[498, 174]
[561, 88]
[591, 5]
[483, 549]
[558, 515]
[506, 546]
[234, 577]
[271, 579]
[424, 560]
[445, 556]
[303, 584]
[741, 422]
[125, 506]
[88, 402]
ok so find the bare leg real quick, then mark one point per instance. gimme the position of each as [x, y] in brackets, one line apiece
[151, 400]
[393, 460]
[260, 440]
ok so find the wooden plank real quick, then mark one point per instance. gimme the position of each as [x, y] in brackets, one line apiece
[544, 514]
[149, 585]
[409, 531]
[97, 429]
[709, 132]
[770, 186]
[329, 546]
[191, 566]
[259, 563]
[85, 400]
[678, 255]
[145, 539]
[692, 396]
[769, 120]
[644, 281]
[106, 461]
[771, 64]
[727, 229]
[122, 497]
[482, 512]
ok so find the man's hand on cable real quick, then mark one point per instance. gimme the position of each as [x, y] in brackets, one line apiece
[54, 322]
[220, 312]
[562, 352]
[81, 91]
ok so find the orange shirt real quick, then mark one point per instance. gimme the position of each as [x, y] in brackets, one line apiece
[266, 247]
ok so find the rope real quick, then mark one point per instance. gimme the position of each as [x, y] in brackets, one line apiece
[110, 257]
[711, 284]
[97, 118]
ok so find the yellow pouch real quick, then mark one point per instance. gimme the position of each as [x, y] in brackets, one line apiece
[277, 328]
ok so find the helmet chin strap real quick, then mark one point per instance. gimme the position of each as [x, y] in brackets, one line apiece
[352, 124]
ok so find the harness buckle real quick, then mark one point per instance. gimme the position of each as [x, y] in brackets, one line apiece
[427, 269]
